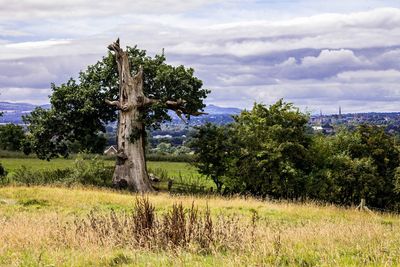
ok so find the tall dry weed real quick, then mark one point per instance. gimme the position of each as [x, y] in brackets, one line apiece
[178, 228]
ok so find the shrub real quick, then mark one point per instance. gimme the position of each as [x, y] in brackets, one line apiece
[14, 154]
[88, 172]
[170, 157]
[25, 176]
[93, 172]
[28, 177]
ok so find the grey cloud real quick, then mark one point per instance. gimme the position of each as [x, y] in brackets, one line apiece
[27, 95]
[40, 72]
[369, 76]
[328, 63]
[389, 59]
[317, 94]
[313, 61]
[239, 71]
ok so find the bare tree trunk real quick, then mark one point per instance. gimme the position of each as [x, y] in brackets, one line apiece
[130, 170]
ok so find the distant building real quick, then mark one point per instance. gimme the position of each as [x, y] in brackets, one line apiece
[317, 128]
[111, 151]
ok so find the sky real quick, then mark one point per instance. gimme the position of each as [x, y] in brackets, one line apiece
[317, 54]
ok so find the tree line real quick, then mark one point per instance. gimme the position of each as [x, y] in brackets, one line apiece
[270, 152]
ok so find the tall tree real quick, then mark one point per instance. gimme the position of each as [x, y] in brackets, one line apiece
[274, 159]
[265, 151]
[212, 146]
[142, 88]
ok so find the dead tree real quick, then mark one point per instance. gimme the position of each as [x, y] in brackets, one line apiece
[130, 170]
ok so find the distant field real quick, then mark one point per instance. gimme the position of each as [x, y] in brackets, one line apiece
[35, 231]
[176, 170]
[11, 164]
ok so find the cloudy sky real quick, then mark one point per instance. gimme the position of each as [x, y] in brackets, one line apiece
[317, 54]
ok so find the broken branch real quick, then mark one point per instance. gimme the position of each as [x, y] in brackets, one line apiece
[113, 103]
[115, 47]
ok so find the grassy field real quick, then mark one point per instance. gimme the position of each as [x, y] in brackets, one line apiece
[36, 231]
[174, 170]
[11, 164]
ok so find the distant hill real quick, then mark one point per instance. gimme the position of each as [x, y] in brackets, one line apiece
[13, 112]
[215, 110]
[8, 106]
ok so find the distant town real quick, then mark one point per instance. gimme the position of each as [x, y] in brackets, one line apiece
[329, 124]
[176, 131]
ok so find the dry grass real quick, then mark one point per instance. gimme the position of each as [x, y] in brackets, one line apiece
[82, 227]
[177, 229]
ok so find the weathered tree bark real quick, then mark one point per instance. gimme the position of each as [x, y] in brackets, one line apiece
[130, 169]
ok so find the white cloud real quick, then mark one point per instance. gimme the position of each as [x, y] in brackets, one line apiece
[333, 57]
[37, 44]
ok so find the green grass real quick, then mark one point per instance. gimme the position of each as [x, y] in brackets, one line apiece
[173, 169]
[11, 164]
[286, 234]
[180, 172]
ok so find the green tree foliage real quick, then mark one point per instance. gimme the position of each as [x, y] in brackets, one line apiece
[11, 137]
[45, 137]
[268, 151]
[212, 146]
[354, 165]
[274, 150]
[264, 152]
[79, 114]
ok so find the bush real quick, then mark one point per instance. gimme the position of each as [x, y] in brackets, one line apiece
[89, 172]
[170, 157]
[28, 177]
[93, 172]
[14, 154]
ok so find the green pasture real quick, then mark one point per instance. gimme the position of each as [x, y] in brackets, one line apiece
[178, 171]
